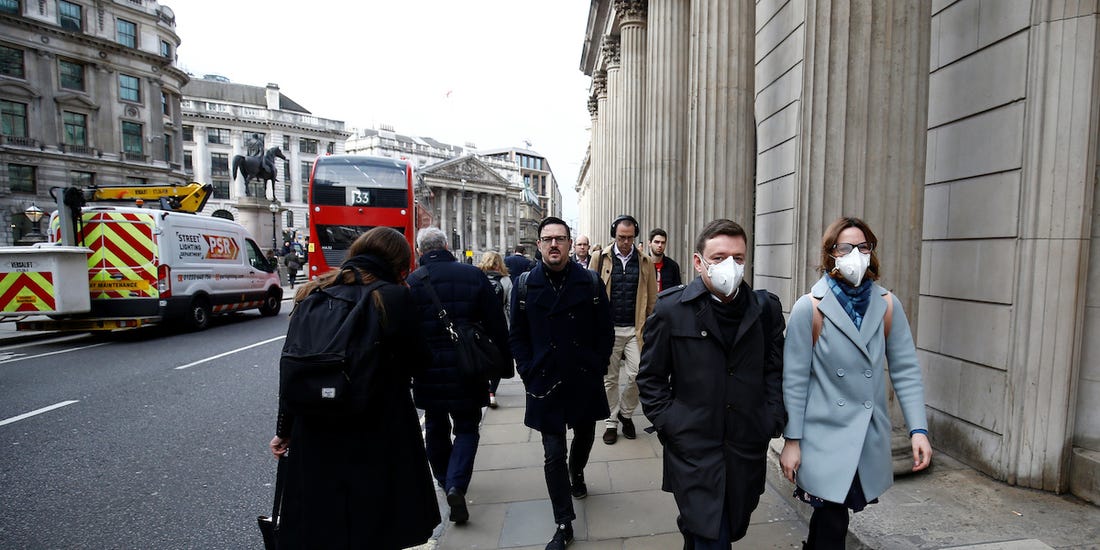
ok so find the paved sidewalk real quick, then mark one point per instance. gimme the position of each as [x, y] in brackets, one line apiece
[625, 508]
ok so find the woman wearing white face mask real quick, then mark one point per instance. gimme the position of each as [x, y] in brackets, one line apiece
[839, 338]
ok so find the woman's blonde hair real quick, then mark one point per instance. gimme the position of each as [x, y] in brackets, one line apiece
[491, 261]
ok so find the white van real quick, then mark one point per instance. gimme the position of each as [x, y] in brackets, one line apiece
[154, 266]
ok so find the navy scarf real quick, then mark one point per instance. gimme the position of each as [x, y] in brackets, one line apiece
[855, 299]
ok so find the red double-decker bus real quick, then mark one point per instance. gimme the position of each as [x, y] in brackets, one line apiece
[349, 194]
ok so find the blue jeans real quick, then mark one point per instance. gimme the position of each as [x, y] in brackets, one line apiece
[452, 463]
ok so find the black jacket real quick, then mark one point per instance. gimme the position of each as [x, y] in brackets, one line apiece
[561, 342]
[669, 274]
[715, 406]
[517, 264]
[467, 295]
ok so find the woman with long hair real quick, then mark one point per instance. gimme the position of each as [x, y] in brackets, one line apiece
[493, 266]
[361, 480]
[840, 338]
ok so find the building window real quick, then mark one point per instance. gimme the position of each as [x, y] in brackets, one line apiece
[82, 179]
[131, 138]
[189, 134]
[76, 128]
[164, 104]
[221, 189]
[307, 146]
[217, 135]
[167, 147]
[22, 178]
[69, 16]
[165, 49]
[13, 119]
[219, 164]
[129, 88]
[331, 147]
[286, 145]
[134, 182]
[72, 75]
[305, 169]
[11, 62]
[9, 6]
[188, 163]
[126, 33]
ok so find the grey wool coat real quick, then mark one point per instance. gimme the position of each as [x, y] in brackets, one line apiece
[835, 392]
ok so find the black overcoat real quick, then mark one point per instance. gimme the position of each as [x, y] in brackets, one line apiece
[561, 341]
[467, 295]
[715, 406]
[364, 482]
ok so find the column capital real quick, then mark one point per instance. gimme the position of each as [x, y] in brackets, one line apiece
[599, 84]
[610, 48]
[594, 107]
[631, 12]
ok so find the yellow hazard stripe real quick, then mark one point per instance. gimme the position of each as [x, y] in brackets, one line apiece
[25, 296]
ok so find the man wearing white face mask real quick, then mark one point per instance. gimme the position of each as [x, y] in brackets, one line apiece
[711, 383]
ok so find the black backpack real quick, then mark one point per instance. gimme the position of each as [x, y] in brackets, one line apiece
[498, 288]
[330, 346]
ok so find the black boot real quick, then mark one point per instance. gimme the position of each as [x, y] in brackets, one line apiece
[456, 499]
[562, 537]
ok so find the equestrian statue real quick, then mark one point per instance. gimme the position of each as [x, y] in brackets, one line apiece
[262, 167]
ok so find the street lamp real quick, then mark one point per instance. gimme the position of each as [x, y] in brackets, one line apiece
[274, 208]
[34, 214]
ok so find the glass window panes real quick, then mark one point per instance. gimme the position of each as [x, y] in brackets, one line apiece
[131, 137]
[131, 181]
[305, 168]
[126, 33]
[189, 133]
[219, 164]
[69, 16]
[221, 189]
[165, 49]
[167, 147]
[307, 145]
[129, 88]
[9, 6]
[21, 177]
[13, 119]
[188, 162]
[82, 179]
[164, 104]
[217, 135]
[72, 75]
[11, 62]
[76, 128]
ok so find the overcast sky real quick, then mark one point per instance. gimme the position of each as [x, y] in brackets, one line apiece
[493, 72]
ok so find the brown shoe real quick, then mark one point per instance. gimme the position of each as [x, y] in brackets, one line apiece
[610, 436]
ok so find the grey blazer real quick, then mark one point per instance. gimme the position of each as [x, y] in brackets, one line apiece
[835, 392]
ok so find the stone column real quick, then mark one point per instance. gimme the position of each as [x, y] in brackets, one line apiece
[601, 155]
[632, 40]
[443, 222]
[665, 141]
[613, 134]
[585, 193]
[475, 214]
[460, 220]
[721, 143]
[503, 218]
[488, 221]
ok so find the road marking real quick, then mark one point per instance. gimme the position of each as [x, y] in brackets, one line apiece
[230, 352]
[24, 358]
[36, 412]
[43, 342]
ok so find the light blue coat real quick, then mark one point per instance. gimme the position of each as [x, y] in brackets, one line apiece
[835, 392]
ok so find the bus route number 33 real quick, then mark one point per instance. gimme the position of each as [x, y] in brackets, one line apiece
[360, 197]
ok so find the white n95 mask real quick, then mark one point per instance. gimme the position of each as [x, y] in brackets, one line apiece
[725, 276]
[853, 266]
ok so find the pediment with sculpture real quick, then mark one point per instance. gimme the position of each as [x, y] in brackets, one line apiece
[468, 168]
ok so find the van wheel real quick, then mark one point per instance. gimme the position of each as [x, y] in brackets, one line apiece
[272, 304]
[198, 316]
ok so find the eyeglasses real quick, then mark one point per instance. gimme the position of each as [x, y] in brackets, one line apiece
[624, 238]
[560, 239]
[846, 248]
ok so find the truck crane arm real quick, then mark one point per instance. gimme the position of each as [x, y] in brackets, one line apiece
[181, 198]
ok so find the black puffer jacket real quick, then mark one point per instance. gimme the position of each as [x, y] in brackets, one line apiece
[466, 294]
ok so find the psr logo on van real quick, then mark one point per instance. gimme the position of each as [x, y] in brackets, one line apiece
[221, 247]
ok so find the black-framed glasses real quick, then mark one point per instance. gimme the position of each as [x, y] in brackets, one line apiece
[846, 248]
[551, 239]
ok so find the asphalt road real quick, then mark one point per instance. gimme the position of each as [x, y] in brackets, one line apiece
[149, 455]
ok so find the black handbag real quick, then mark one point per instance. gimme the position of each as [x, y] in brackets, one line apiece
[478, 357]
[269, 525]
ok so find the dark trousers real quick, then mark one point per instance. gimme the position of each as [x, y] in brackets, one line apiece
[828, 527]
[452, 463]
[558, 469]
[696, 542]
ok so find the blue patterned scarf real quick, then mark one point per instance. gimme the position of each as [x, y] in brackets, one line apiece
[855, 299]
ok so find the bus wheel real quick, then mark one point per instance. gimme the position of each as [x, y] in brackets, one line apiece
[198, 316]
[272, 304]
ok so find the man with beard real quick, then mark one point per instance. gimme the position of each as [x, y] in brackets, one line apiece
[668, 271]
[561, 336]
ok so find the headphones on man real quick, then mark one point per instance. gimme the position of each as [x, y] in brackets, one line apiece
[625, 218]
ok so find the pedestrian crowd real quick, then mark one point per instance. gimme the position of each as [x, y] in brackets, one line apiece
[593, 333]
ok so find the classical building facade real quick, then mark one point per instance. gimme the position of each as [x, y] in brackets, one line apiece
[89, 95]
[223, 119]
[966, 134]
[481, 211]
